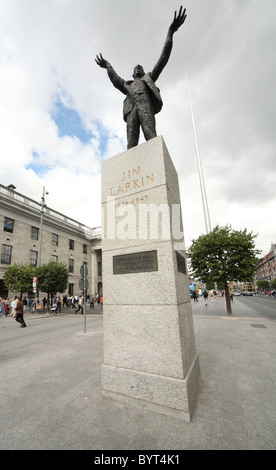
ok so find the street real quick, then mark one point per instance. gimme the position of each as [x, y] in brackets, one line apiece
[43, 328]
[242, 306]
[51, 394]
[261, 305]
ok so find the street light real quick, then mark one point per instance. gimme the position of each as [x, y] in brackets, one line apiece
[41, 224]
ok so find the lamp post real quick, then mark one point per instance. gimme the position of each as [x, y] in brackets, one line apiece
[41, 224]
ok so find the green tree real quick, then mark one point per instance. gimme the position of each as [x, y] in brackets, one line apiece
[224, 255]
[273, 283]
[52, 278]
[263, 284]
[19, 277]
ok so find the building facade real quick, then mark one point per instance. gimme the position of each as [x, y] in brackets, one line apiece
[267, 265]
[32, 233]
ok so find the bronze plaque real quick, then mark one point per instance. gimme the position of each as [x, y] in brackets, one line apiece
[144, 261]
[181, 263]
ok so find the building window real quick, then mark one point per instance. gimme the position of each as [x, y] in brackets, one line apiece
[71, 244]
[33, 258]
[6, 254]
[54, 258]
[99, 269]
[8, 224]
[71, 289]
[54, 239]
[71, 265]
[84, 250]
[34, 233]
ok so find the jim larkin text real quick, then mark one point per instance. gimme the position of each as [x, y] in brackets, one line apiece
[136, 182]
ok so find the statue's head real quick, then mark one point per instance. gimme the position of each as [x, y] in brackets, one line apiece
[138, 71]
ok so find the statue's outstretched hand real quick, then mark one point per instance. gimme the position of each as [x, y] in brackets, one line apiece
[178, 19]
[101, 61]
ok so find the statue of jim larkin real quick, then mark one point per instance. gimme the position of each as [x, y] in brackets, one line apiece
[143, 99]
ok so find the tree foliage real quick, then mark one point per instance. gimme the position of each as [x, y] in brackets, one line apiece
[224, 255]
[263, 284]
[19, 277]
[52, 277]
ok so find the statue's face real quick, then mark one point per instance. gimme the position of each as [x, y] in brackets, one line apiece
[138, 71]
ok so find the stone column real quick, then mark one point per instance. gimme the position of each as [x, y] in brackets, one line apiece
[150, 357]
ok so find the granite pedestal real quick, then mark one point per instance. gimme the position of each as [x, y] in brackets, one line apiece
[150, 357]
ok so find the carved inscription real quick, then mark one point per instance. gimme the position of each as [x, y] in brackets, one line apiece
[144, 261]
[181, 263]
[130, 180]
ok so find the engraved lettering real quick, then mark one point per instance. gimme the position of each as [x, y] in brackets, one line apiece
[150, 178]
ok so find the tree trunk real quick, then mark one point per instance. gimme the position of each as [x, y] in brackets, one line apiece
[227, 299]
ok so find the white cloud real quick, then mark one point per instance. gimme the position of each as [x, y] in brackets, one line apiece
[228, 48]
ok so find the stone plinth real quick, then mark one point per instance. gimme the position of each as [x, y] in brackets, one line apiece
[150, 355]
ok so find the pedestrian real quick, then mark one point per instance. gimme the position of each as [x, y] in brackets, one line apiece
[19, 310]
[3, 308]
[30, 301]
[64, 301]
[58, 302]
[101, 300]
[205, 295]
[194, 296]
[232, 296]
[44, 300]
[72, 302]
[80, 306]
[24, 301]
[91, 301]
[13, 306]
[215, 296]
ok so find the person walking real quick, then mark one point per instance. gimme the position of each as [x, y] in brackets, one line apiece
[91, 301]
[2, 308]
[58, 302]
[72, 302]
[19, 313]
[195, 296]
[80, 306]
[205, 295]
[13, 307]
[30, 302]
[25, 303]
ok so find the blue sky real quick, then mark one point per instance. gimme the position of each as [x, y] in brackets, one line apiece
[70, 123]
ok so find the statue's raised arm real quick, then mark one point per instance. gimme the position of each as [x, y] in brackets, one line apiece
[178, 21]
[117, 81]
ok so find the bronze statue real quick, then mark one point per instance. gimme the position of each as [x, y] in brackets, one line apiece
[143, 99]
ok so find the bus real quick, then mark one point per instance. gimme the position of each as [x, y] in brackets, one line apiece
[247, 288]
[233, 289]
